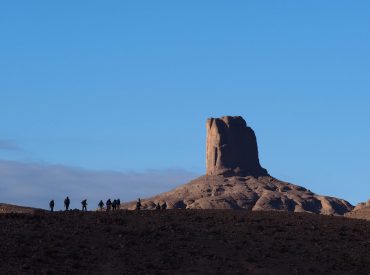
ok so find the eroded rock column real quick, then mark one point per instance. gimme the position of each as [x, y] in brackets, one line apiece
[231, 148]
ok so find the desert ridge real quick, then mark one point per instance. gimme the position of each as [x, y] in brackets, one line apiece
[10, 208]
[264, 193]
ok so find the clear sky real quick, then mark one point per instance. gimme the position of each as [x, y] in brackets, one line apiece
[125, 87]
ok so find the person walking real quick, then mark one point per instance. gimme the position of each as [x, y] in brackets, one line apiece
[84, 205]
[108, 204]
[101, 205]
[114, 205]
[66, 203]
[138, 204]
[51, 205]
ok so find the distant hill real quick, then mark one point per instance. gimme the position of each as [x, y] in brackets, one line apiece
[10, 208]
[361, 211]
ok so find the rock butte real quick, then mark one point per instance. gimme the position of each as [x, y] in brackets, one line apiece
[235, 179]
[232, 148]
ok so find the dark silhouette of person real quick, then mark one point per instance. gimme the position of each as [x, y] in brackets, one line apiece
[108, 204]
[51, 205]
[138, 204]
[164, 206]
[66, 203]
[114, 205]
[157, 207]
[118, 204]
[84, 205]
[101, 205]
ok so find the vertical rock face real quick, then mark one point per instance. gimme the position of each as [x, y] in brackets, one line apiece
[231, 148]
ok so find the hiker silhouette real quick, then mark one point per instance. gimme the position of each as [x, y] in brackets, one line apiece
[138, 204]
[66, 203]
[101, 205]
[84, 205]
[51, 205]
[108, 204]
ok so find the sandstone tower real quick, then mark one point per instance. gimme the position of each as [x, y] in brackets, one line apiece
[231, 148]
[235, 179]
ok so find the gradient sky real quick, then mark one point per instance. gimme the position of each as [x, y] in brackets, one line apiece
[126, 87]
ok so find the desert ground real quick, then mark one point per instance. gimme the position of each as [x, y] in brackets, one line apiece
[183, 242]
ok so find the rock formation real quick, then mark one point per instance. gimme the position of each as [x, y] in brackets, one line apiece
[250, 193]
[231, 148]
[235, 179]
[361, 211]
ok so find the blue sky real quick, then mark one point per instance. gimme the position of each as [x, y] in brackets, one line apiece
[126, 87]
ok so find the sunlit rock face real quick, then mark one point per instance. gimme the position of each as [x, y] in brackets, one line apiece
[231, 148]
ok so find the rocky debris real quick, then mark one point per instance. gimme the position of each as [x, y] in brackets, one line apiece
[257, 194]
[361, 211]
[231, 148]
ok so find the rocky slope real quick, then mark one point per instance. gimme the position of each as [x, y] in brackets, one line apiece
[361, 211]
[257, 194]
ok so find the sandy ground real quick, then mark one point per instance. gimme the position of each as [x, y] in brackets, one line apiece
[183, 242]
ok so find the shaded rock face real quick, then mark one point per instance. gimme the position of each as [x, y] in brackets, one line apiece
[231, 148]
